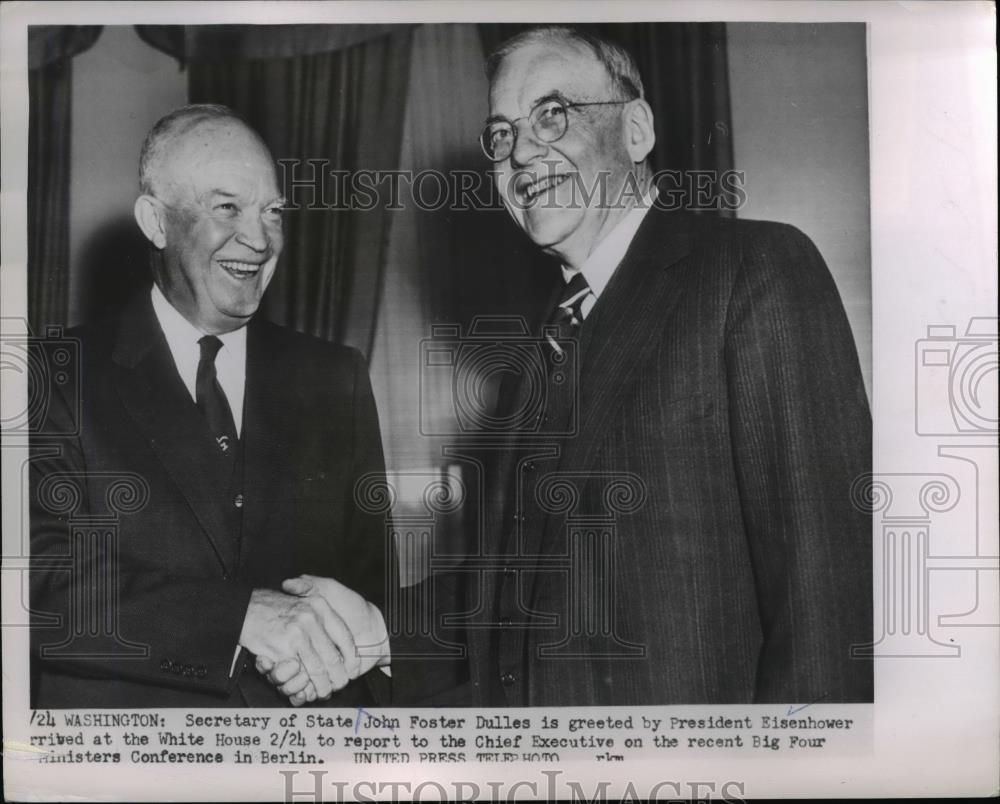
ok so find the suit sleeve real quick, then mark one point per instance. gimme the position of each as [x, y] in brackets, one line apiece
[374, 563]
[801, 433]
[96, 614]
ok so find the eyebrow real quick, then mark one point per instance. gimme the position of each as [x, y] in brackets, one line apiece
[553, 94]
[218, 191]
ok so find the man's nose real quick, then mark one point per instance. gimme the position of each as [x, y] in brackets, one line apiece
[526, 145]
[253, 234]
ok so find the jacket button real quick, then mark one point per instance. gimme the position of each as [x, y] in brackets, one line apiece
[508, 679]
[238, 501]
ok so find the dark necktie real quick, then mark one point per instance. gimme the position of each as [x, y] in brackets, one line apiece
[568, 313]
[210, 398]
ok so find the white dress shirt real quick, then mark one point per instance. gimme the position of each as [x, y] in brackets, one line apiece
[230, 370]
[603, 260]
[230, 363]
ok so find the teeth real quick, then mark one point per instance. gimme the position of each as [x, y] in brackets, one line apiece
[240, 269]
[535, 189]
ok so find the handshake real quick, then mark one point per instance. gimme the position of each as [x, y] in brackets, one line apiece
[314, 637]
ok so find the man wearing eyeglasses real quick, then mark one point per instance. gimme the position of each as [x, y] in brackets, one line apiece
[717, 380]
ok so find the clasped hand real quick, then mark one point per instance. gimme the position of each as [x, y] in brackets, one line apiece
[314, 637]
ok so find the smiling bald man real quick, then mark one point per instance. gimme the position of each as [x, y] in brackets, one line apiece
[247, 439]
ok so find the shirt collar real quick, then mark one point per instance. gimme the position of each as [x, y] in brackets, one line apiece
[181, 333]
[604, 259]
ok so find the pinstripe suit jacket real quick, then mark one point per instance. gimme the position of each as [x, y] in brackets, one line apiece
[693, 541]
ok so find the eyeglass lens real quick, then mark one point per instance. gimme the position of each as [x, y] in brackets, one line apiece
[547, 120]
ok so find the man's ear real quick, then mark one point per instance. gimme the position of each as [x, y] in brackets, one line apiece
[149, 214]
[640, 136]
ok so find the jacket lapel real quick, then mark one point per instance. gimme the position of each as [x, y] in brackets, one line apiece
[155, 397]
[619, 334]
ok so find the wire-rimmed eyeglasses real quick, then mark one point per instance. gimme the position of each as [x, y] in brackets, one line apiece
[548, 120]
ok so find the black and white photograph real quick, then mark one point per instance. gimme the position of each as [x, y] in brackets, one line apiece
[491, 394]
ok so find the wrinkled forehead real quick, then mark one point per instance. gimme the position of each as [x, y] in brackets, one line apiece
[217, 151]
[540, 69]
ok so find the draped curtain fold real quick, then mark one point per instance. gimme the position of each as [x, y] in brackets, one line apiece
[433, 253]
[50, 68]
[342, 110]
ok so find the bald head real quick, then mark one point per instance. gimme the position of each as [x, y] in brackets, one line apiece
[174, 136]
[211, 208]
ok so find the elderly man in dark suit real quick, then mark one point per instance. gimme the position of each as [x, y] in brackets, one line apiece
[717, 422]
[239, 442]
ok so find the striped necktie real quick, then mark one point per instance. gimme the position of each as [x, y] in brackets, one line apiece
[568, 313]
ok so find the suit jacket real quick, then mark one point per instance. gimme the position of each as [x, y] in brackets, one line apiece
[136, 480]
[691, 538]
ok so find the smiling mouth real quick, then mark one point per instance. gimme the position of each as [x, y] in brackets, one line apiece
[240, 270]
[532, 190]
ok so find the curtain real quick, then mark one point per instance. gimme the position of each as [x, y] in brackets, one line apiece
[436, 257]
[50, 70]
[446, 264]
[343, 110]
[201, 43]
[685, 75]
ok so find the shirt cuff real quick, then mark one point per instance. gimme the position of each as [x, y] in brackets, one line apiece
[236, 656]
[384, 662]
